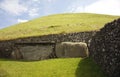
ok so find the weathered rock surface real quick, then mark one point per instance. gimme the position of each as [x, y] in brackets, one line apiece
[71, 49]
[37, 52]
[105, 48]
[6, 49]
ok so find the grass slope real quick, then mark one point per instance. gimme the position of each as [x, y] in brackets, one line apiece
[54, 24]
[71, 67]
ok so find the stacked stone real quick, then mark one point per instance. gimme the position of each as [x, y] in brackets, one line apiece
[105, 48]
[72, 37]
[6, 47]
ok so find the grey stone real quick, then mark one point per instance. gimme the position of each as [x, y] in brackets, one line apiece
[37, 52]
[71, 49]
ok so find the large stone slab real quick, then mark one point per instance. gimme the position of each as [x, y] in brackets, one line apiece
[71, 49]
[37, 52]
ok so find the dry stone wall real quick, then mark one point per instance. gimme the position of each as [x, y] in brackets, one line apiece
[105, 48]
[73, 37]
[6, 47]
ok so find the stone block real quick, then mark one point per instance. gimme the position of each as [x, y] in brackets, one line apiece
[71, 49]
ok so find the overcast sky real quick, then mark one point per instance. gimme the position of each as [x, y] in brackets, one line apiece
[18, 11]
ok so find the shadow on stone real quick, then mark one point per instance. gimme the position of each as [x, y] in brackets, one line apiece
[87, 68]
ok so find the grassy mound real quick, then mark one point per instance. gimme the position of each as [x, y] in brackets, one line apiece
[69, 67]
[54, 24]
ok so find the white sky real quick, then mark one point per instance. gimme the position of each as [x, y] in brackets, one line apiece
[111, 7]
[16, 11]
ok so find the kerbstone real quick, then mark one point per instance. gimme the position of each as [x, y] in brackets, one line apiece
[72, 49]
[37, 52]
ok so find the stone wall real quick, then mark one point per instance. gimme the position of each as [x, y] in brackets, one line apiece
[6, 47]
[105, 48]
[73, 37]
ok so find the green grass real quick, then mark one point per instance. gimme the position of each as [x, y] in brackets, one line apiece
[68, 67]
[55, 24]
